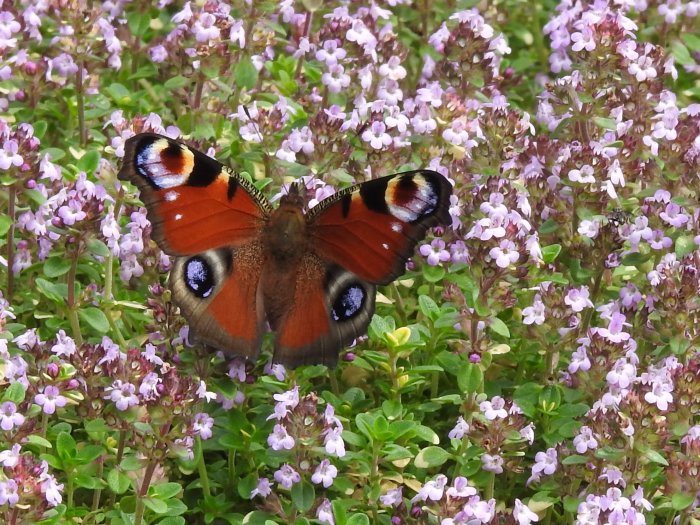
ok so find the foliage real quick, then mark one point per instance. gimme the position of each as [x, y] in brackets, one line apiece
[538, 362]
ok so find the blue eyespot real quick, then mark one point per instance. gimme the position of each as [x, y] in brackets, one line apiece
[349, 303]
[199, 277]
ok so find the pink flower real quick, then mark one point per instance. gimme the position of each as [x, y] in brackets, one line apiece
[49, 399]
[9, 417]
[324, 474]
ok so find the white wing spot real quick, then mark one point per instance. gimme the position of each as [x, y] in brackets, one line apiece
[178, 216]
[396, 226]
[171, 196]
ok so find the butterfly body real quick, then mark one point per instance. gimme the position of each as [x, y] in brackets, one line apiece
[241, 265]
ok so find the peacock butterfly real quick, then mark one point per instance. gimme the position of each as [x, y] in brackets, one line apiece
[241, 264]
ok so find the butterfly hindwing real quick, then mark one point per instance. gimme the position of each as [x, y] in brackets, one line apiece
[217, 291]
[194, 203]
[372, 229]
[331, 307]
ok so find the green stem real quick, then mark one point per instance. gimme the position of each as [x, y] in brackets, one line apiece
[202, 469]
[80, 95]
[434, 385]
[11, 243]
[307, 26]
[335, 388]
[72, 306]
[143, 491]
[98, 492]
[490, 487]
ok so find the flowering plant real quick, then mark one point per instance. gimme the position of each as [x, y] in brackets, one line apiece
[538, 362]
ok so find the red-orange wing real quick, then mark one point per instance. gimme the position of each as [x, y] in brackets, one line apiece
[330, 308]
[371, 229]
[217, 291]
[194, 204]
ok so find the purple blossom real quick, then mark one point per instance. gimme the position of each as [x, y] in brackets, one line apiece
[49, 399]
[534, 314]
[9, 417]
[202, 425]
[494, 409]
[324, 474]
[673, 215]
[333, 442]
[432, 490]
[492, 463]
[578, 299]
[149, 387]
[9, 492]
[583, 40]
[522, 514]
[460, 429]
[64, 346]
[460, 488]
[279, 439]
[324, 513]
[585, 440]
[392, 498]
[505, 253]
[286, 476]
[545, 462]
[435, 252]
[263, 488]
[122, 394]
[376, 135]
[10, 457]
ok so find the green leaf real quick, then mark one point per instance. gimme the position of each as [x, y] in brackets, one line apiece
[138, 22]
[575, 460]
[655, 457]
[635, 259]
[97, 247]
[95, 318]
[165, 490]
[431, 457]
[156, 505]
[605, 123]
[15, 393]
[245, 74]
[499, 327]
[89, 162]
[433, 274]
[303, 495]
[684, 246]
[681, 54]
[5, 223]
[56, 266]
[65, 446]
[176, 82]
[681, 501]
[548, 226]
[358, 519]
[428, 307]
[118, 482]
[56, 292]
[470, 378]
[550, 253]
[691, 40]
[89, 453]
[38, 441]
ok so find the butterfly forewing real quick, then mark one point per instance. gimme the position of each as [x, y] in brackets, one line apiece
[372, 229]
[194, 204]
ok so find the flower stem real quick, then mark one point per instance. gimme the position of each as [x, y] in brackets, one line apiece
[143, 490]
[80, 96]
[202, 469]
[11, 243]
[72, 307]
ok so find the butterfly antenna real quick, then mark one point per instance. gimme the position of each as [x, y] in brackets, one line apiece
[257, 129]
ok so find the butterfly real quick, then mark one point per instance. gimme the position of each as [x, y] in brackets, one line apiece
[241, 264]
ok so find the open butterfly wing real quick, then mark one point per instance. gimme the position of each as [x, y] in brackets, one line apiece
[371, 229]
[211, 220]
[331, 307]
[194, 204]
